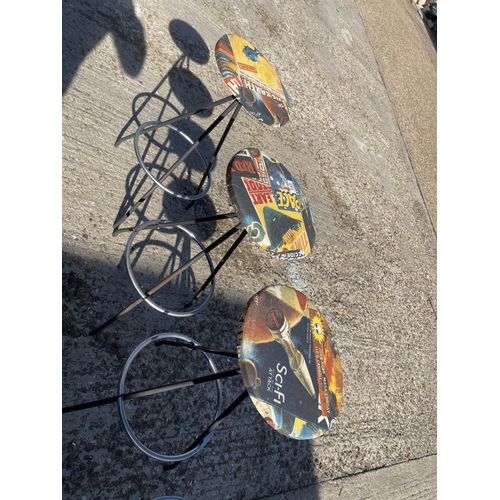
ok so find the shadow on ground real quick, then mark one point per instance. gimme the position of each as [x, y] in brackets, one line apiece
[99, 459]
[86, 23]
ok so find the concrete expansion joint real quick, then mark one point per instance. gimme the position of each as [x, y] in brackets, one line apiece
[346, 477]
[382, 467]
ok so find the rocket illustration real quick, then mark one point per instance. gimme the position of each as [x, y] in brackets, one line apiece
[280, 330]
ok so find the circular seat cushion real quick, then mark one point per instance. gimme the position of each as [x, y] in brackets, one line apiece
[253, 80]
[290, 363]
[271, 204]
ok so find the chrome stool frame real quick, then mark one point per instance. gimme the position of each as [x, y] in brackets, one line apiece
[176, 340]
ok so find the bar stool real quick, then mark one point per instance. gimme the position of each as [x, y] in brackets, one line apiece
[254, 84]
[271, 208]
[288, 361]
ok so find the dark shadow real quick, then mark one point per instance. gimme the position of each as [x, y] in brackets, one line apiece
[162, 252]
[154, 105]
[183, 83]
[159, 146]
[189, 41]
[245, 458]
[85, 23]
[190, 90]
[432, 35]
[159, 151]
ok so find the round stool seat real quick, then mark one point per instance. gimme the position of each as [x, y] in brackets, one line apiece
[290, 363]
[252, 80]
[270, 203]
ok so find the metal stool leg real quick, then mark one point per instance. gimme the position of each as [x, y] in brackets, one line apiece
[159, 389]
[217, 269]
[150, 126]
[180, 117]
[145, 296]
[214, 156]
[165, 223]
[177, 340]
[201, 439]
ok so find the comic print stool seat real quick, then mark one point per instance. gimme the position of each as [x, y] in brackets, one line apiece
[252, 80]
[270, 203]
[288, 361]
[254, 85]
[271, 208]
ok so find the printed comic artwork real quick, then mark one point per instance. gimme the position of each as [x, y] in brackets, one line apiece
[253, 80]
[290, 363]
[271, 204]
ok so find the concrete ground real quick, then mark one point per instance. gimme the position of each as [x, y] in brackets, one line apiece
[361, 76]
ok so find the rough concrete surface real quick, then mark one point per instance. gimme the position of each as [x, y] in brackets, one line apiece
[406, 480]
[407, 58]
[353, 145]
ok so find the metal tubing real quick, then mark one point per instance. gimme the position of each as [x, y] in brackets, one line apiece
[180, 117]
[222, 352]
[190, 149]
[121, 405]
[198, 194]
[155, 390]
[138, 287]
[167, 279]
[165, 223]
[175, 165]
[217, 149]
[218, 267]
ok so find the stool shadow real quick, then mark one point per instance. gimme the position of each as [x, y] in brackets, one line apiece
[158, 106]
[158, 156]
[177, 249]
[172, 208]
[85, 24]
[180, 290]
[184, 85]
[189, 41]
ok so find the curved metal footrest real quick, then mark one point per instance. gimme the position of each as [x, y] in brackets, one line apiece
[194, 147]
[121, 407]
[156, 224]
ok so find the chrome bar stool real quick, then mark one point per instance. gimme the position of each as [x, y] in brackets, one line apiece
[271, 208]
[289, 364]
[254, 84]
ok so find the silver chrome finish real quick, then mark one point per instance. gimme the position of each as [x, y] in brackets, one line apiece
[194, 146]
[179, 314]
[121, 406]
